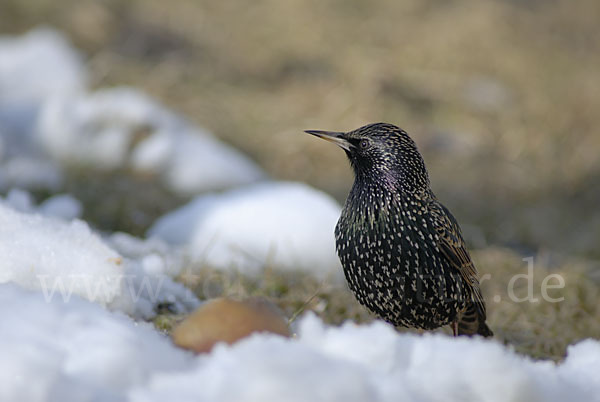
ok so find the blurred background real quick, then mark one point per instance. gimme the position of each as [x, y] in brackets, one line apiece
[501, 96]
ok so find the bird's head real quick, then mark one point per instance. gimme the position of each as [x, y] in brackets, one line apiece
[381, 153]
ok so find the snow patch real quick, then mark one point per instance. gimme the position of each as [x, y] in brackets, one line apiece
[121, 127]
[34, 68]
[49, 121]
[66, 258]
[38, 65]
[285, 225]
[61, 206]
[75, 351]
[375, 363]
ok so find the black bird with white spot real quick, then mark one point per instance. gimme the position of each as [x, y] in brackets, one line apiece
[402, 251]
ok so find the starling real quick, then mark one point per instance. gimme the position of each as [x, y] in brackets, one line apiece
[402, 251]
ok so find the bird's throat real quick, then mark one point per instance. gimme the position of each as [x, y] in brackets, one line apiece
[368, 207]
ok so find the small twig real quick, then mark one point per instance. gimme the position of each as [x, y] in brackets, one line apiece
[306, 303]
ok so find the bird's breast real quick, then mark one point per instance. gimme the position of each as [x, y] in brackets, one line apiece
[393, 265]
[389, 248]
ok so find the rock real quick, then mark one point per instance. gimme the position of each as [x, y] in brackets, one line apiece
[227, 320]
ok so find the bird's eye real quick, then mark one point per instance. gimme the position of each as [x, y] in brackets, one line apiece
[363, 144]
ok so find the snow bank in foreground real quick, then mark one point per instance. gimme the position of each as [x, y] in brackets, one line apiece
[121, 127]
[75, 351]
[375, 363]
[65, 258]
[284, 225]
[78, 351]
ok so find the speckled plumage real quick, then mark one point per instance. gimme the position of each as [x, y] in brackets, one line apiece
[402, 251]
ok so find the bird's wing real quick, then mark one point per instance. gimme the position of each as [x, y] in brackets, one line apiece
[452, 245]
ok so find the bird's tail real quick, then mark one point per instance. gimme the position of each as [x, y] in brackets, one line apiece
[472, 322]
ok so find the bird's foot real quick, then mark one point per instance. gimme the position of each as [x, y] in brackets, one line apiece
[454, 326]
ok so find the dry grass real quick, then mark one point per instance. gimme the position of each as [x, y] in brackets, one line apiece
[545, 327]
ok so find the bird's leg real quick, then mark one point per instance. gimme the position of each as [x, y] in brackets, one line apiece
[454, 326]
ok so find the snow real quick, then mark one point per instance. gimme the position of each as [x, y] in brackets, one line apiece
[285, 225]
[38, 65]
[20, 200]
[34, 68]
[62, 258]
[49, 122]
[121, 127]
[153, 249]
[345, 364]
[74, 351]
[62, 206]
[30, 172]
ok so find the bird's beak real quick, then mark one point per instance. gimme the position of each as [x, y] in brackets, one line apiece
[332, 136]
